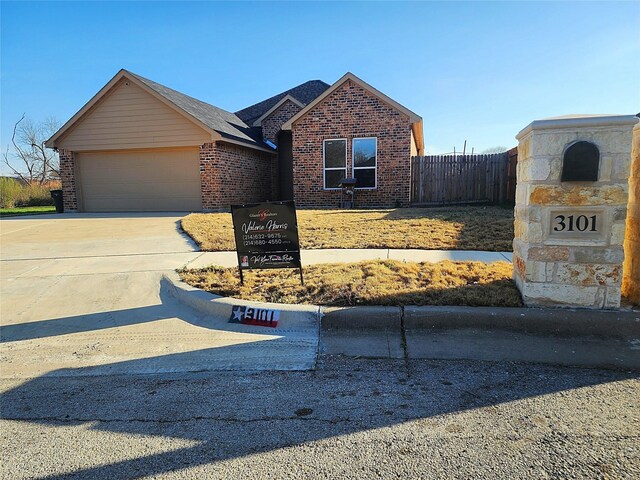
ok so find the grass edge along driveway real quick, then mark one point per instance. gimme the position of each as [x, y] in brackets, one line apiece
[488, 228]
[19, 211]
[378, 282]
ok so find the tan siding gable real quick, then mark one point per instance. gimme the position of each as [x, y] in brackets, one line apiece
[129, 117]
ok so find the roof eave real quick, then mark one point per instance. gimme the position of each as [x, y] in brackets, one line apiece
[418, 135]
[51, 142]
[413, 117]
[169, 103]
[281, 102]
[246, 145]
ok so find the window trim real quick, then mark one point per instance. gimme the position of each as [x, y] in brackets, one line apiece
[374, 168]
[324, 163]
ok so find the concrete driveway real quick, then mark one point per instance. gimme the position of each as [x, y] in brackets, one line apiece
[81, 293]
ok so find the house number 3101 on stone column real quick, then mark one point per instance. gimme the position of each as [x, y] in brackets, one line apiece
[576, 224]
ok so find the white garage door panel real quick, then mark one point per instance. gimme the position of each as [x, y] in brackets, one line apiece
[140, 181]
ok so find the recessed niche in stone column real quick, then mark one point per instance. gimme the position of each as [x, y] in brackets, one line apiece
[580, 162]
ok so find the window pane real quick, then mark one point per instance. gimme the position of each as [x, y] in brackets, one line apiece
[366, 177]
[364, 152]
[334, 153]
[332, 177]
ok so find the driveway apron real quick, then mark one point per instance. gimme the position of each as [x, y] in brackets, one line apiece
[81, 295]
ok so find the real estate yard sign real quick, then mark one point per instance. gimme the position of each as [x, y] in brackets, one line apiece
[266, 236]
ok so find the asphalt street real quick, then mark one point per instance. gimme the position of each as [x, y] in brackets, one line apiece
[350, 418]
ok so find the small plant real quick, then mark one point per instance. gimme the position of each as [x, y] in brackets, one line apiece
[36, 195]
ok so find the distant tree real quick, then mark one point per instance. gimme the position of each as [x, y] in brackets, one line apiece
[497, 149]
[27, 157]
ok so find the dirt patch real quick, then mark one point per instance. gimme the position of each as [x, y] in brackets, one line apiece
[459, 228]
[385, 282]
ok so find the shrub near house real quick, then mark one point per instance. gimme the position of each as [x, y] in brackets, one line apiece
[14, 193]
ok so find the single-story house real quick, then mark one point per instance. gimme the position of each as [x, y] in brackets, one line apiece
[140, 146]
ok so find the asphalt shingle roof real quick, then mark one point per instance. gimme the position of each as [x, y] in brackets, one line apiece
[225, 123]
[304, 93]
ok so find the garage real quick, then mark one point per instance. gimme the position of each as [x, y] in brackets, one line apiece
[160, 180]
[138, 146]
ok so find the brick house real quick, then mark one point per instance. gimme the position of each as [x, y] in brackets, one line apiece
[140, 146]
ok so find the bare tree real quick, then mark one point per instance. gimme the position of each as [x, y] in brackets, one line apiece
[29, 159]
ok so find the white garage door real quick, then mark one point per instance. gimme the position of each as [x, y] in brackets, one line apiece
[162, 180]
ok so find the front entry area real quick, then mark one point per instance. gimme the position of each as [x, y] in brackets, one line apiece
[139, 181]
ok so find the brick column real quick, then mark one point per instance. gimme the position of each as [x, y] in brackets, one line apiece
[275, 178]
[68, 177]
[568, 241]
[631, 269]
[209, 182]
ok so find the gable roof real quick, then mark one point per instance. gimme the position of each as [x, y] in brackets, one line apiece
[285, 99]
[350, 76]
[415, 119]
[225, 123]
[221, 124]
[304, 93]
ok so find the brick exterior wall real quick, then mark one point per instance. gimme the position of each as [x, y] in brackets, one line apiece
[68, 177]
[273, 123]
[231, 174]
[351, 112]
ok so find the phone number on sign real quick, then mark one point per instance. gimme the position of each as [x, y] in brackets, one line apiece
[262, 236]
[273, 241]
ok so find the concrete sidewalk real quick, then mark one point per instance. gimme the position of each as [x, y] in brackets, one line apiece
[335, 255]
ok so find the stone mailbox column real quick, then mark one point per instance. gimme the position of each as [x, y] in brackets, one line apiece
[631, 269]
[571, 203]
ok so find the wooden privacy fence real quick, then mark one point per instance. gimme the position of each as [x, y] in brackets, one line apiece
[457, 179]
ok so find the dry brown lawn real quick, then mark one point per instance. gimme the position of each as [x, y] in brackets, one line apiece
[382, 282]
[450, 228]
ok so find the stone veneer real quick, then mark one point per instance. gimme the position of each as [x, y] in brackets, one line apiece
[273, 123]
[352, 112]
[578, 271]
[631, 269]
[68, 178]
[231, 174]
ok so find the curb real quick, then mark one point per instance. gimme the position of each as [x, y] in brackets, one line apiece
[217, 305]
[610, 324]
[536, 321]
[361, 318]
[539, 321]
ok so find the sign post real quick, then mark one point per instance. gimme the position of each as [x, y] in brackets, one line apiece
[266, 236]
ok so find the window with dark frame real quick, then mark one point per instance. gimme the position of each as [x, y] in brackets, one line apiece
[334, 152]
[365, 153]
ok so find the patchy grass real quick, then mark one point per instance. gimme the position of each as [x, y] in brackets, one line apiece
[450, 228]
[382, 282]
[17, 211]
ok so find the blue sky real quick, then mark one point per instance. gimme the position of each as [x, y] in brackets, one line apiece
[476, 71]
